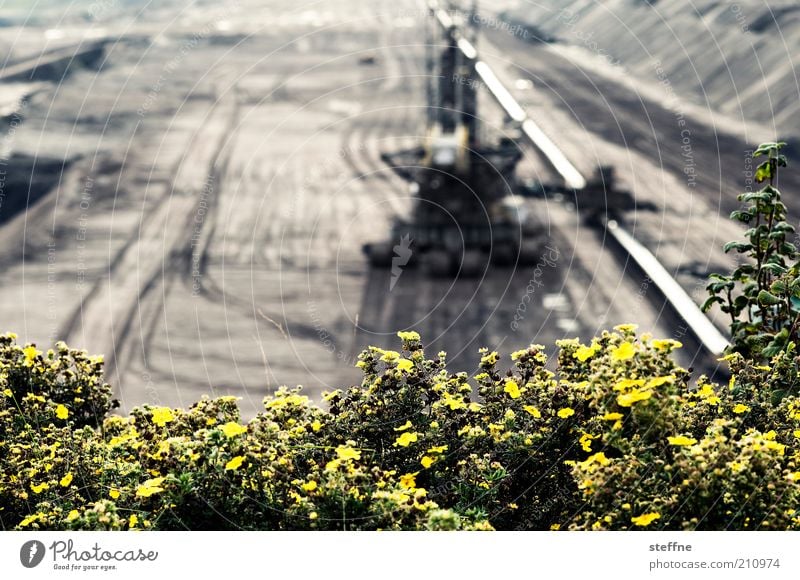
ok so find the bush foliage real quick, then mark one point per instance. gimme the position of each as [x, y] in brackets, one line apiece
[762, 295]
[616, 437]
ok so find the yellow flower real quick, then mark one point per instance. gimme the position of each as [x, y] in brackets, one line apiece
[624, 351]
[586, 441]
[410, 335]
[584, 353]
[427, 461]
[646, 519]
[512, 389]
[234, 463]
[490, 359]
[626, 384]
[475, 407]
[612, 417]
[232, 429]
[566, 412]
[327, 396]
[30, 354]
[454, 403]
[555, 527]
[406, 439]
[66, 480]
[162, 415]
[316, 426]
[706, 392]
[113, 493]
[628, 399]
[150, 487]
[531, 410]
[407, 425]
[666, 344]
[598, 457]
[775, 446]
[390, 356]
[438, 449]
[626, 327]
[739, 409]
[62, 412]
[658, 381]
[345, 452]
[132, 521]
[309, 486]
[72, 515]
[794, 476]
[518, 354]
[681, 441]
[39, 488]
[8, 393]
[404, 365]
[409, 481]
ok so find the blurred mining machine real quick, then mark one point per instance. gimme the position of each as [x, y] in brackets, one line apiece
[466, 214]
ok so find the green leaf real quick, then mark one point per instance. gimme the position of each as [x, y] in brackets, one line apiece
[777, 344]
[774, 268]
[765, 148]
[717, 287]
[757, 195]
[740, 303]
[710, 302]
[764, 172]
[750, 289]
[743, 270]
[778, 287]
[767, 299]
[738, 246]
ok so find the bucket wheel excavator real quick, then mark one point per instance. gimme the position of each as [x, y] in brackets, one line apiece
[466, 213]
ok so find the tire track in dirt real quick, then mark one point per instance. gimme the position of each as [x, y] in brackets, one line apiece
[106, 318]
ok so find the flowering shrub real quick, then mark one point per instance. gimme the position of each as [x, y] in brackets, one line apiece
[615, 438]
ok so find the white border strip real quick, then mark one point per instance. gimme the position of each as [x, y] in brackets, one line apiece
[403, 555]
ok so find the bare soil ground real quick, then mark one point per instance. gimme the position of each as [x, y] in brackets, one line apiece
[226, 170]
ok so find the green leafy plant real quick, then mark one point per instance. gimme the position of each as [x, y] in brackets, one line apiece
[762, 295]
